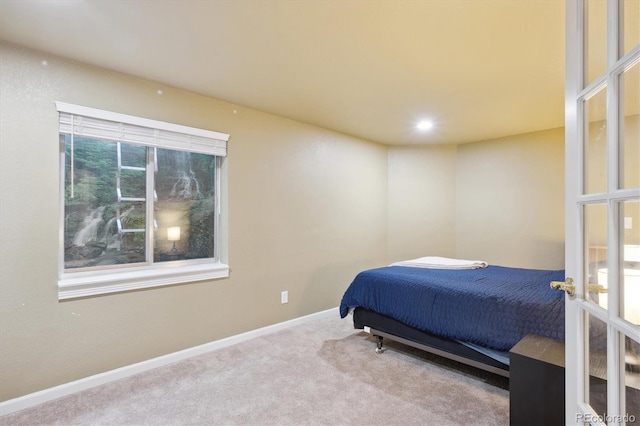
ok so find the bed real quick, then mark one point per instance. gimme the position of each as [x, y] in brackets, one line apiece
[471, 315]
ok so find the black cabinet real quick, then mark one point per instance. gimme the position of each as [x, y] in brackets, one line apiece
[536, 382]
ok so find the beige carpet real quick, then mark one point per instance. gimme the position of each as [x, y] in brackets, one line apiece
[320, 373]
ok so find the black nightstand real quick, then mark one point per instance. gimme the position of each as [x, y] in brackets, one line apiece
[536, 382]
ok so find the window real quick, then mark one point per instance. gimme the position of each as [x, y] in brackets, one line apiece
[140, 202]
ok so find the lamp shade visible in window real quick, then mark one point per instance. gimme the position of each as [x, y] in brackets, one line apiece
[173, 233]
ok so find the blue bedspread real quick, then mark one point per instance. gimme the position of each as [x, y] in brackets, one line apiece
[494, 306]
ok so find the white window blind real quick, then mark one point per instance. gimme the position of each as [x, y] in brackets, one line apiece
[95, 123]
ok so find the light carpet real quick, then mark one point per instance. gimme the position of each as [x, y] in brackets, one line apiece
[320, 373]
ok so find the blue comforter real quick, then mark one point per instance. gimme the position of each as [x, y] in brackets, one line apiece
[493, 307]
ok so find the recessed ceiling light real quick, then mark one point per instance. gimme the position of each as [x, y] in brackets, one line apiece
[424, 125]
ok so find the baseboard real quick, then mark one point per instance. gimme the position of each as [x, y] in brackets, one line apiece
[36, 398]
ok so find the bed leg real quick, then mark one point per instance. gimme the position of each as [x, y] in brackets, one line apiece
[379, 349]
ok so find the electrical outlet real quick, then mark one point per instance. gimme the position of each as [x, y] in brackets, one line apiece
[284, 297]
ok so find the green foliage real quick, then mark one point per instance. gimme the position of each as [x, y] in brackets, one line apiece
[201, 228]
[93, 173]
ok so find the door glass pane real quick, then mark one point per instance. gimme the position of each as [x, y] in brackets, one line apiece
[630, 131]
[632, 379]
[185, 205]
[596, 39]
[597, 368]
[631, 34]
[595, 149]
[595, 219]
[630, 286]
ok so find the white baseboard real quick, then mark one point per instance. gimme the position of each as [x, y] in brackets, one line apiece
[33, 399]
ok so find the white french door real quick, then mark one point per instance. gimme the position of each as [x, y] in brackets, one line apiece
[603, 211]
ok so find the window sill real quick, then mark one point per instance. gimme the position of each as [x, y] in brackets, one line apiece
[72, 286]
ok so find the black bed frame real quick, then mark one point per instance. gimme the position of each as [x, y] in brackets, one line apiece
[383, 326]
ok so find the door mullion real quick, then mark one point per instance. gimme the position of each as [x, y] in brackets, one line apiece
[614, 366]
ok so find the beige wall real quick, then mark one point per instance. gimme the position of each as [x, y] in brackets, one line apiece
[501, 201]
[306, 210]
[422, 202]
[510, 200]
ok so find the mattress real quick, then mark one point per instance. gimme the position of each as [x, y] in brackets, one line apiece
[493, 307]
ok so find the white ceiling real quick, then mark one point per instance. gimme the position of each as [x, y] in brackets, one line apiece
[480, 69]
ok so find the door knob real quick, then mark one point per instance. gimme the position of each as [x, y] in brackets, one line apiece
[566, 285]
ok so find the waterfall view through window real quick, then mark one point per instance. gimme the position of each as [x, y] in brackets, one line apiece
[121, 199]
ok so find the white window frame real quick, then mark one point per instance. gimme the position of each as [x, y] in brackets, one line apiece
[90, 122]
